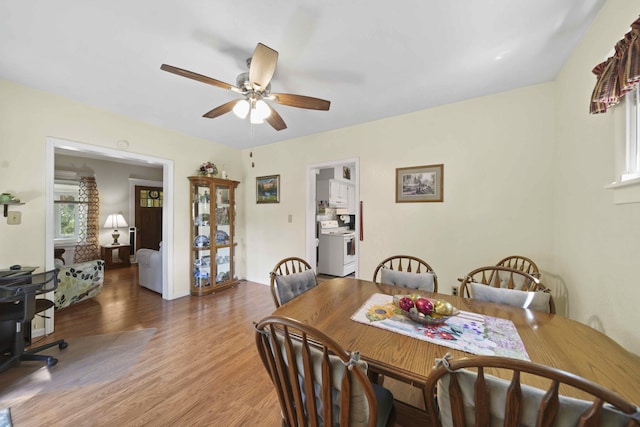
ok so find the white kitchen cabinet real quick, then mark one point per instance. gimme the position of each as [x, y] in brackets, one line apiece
[333, 191]
[351, 199]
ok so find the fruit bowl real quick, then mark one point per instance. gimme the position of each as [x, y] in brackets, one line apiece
[439, 311]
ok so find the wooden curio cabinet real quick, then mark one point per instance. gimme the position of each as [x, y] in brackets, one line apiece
[212, 234]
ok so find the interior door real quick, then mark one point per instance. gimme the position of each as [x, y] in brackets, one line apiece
[148, 219]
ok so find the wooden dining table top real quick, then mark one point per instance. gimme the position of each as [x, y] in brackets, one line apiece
[549, 339]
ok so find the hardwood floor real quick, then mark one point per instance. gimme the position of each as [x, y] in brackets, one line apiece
[201, 368]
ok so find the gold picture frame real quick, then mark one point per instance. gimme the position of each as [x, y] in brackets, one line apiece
[268, 189]
[420, 184]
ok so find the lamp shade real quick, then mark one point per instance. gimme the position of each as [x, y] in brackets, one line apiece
[115, 220]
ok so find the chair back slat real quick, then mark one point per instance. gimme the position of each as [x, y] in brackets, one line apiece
[483, 417]
[345, 399]
[457, 403]
[308, 385]
[550, 405]
[591, 418]
[514, 399]
[327, 398]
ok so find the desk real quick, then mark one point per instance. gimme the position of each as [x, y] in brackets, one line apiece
[549, 339]
[122, 258]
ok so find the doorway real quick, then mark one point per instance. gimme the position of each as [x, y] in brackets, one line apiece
[313, 176]
[92, 151]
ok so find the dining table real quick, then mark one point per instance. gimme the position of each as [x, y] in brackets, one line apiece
[549, 339]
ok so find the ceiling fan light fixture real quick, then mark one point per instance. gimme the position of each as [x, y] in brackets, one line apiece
[241, 109]
[255, 117]
[262, 109]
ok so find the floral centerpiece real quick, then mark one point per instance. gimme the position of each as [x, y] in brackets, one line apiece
[208, 168]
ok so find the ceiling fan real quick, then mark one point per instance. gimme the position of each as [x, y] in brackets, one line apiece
[255, 86]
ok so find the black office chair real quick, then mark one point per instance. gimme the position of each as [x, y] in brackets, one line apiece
[18, 306]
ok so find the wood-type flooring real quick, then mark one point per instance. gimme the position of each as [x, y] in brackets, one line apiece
[201, 367]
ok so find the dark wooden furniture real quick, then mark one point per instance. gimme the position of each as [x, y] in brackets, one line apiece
[121, 259]
[549, 339]
[285, 267]
[57, 254]
[324, 378]
[213, 245]
[468, 378]
[406, 263]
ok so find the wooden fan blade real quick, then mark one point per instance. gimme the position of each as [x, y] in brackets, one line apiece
[222, 109]
[263, 65]
[301, 101]
[275, 120]
[196, 76]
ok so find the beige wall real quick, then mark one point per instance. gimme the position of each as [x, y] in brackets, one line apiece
[30, 116]
[497, 155]
[597, 243]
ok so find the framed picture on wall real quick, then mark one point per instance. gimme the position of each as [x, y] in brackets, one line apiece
[420, 184]
[268, 189]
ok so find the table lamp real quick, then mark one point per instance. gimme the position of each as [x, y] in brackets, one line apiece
[115, 221]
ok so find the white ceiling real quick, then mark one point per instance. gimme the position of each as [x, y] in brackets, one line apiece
[372, 59]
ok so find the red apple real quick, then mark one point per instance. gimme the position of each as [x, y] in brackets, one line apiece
[424, 306]
[405, 303]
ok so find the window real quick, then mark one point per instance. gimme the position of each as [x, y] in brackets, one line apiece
[66, 206]
[632, 148]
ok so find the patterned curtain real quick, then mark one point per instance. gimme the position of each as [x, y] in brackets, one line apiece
[619, 74]
[87, 248]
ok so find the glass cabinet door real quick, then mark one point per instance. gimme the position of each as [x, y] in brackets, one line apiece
[223, 234]
[201, 222]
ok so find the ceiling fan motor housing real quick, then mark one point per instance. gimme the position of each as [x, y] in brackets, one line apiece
[243, 83]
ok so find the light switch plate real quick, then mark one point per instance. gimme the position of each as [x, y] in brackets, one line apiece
[14, 218]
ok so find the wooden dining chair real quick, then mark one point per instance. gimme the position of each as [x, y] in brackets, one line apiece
[522, 263]
[459, 393]
[316, 380]
[507, 286]
[406, 271]
[289, 278]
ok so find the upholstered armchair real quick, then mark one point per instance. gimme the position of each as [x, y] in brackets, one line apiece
[150, 269]
[78, 282]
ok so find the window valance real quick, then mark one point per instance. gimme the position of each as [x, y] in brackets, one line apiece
[619, 74]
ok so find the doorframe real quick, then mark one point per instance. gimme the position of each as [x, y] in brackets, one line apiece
[51, 144]
[312, 173]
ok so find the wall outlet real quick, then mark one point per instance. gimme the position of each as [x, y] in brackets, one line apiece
[454, 291]
[14, 218]
[290, 218]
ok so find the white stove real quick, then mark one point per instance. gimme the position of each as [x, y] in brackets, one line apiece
[336, 249]
[332, 227]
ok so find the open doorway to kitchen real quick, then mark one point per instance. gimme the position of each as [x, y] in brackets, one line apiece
[333, 217]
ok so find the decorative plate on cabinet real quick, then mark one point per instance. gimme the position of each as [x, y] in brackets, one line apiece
[201, 241]
[222, 238]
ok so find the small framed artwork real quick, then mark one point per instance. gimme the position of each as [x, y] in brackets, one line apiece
[420, 184]
[268, 189]
[346, 173]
